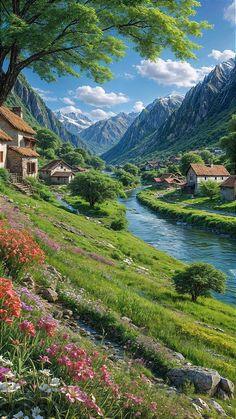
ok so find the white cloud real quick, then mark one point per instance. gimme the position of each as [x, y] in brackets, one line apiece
[45, 95]
[99, 114]
[69, 109]
[67, 101]
[222, 55]
[178, 73]
[97, 96]
[138, 106]
[230, 12]
[129, 76]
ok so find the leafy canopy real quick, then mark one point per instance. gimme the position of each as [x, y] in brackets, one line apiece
[126, 178]
[47, 139]
[189, 158]
[94, 187]
[228, 143]
[56, 37]
[210, 188]
[131, 168]
[198, 279]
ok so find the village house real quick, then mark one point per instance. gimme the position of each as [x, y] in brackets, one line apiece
[17, 144]
[198, 173]
[57, 172]
[228, 189]
[168, 181]
[152, 165]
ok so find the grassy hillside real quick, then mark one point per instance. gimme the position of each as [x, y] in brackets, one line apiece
[110, 276]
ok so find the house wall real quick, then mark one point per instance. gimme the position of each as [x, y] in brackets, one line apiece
[26, 160]
[61, 180]
[228, 194]
[3, 148]
[16, 135]
[60, 168]
[18, 164]
[195, 181]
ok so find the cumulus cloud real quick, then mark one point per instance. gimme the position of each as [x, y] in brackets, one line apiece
[222, 55]
[138, 106]
[230, 13]
[178, 73]
[99, 114]
[46, 95]
[67, 101]
[97, 96]
[69, 109]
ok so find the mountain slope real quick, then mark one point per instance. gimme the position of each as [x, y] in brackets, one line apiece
[74, 122]
[151, 118]
[104, 134]
[37, 113]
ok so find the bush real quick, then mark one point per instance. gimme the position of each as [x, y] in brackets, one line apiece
[119, 224]
[198, 279]
[4, 175]
[210, 188]
[40, 190]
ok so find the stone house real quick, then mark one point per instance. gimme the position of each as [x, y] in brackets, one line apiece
[198, 173]
[21, 158]
[228, 189]
[57, 172]
[4, 141]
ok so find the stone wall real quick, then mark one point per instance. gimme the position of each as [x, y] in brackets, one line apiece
[25, 161]
[227, 194]
[3, 148]
[14, 162]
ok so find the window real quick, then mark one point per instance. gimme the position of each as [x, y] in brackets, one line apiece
[205, 178]
[1, 156]
[215, 178]
[31, 168]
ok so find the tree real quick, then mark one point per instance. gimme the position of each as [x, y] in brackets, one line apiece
[198, 279]
[210, 188]
[55, 37]
[189, 158]
[131, 168]
[97, 163]
[207, 156]
[228, 143]
[47, 139]
[126, 178]
[94, 187]
[73, 158]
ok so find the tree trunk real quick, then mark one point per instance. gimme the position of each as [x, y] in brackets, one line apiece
[194, 298]
[7, 82]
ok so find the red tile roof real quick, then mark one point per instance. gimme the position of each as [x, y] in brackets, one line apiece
[24, 151]
[62, 174]
[214, 170]
[4, 136]
[229, 183]
[15, 121]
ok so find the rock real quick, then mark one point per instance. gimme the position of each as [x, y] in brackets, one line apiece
[50, 295]
[205, 380]
[218, 408]
[198, 409]
[227, 386]
[57, 314]
[67, 313]
[221, 394]
[201, 403]
[29, 281]
[126, 319]
[179, 356]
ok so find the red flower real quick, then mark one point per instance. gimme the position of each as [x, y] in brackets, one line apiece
[10, 303]
[28, 328]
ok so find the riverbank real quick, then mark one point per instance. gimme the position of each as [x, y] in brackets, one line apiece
[216, 223]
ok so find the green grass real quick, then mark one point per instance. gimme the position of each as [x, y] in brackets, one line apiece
[148, 299]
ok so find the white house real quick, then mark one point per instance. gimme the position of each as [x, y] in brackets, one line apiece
[198, 173]
[4, 141]
[20, 156]
[57, 172]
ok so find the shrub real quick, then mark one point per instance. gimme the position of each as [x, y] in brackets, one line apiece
[119, 224]
[4, 175]
[40, 190]
[198, 279]
[210, 188]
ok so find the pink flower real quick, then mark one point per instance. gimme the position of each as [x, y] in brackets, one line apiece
[44, 359]
[73, 393]
[27, 327]
[153, 406]
[48, 325]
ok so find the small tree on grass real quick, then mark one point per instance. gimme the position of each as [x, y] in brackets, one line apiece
[94, 187]
[198, 279]
[210, 188]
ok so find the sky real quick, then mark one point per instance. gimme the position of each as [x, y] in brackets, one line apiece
[138, 82]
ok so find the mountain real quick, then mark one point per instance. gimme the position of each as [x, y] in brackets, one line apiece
[37, 113]
[150, 119]
[74, 122]
[200, 120]
[104, 134]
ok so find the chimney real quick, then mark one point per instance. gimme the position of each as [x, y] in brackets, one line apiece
[18, 111]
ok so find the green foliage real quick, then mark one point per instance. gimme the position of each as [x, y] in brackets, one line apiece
[198, 279]
[96, 163]
[4, 175]
[65, 43]
[149, 175]
[47, 139]
[189, 158]
[228, 143]
[40, 191]
[207, 156]
[131, 168]
[119, 224]
[126, 178]
[210, 188]
[94, 187]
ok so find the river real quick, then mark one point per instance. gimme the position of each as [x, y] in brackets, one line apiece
[185, 243]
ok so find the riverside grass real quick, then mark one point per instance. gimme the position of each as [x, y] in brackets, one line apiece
[224, 224]
[148, 299]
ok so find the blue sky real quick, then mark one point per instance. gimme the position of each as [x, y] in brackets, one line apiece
[138, 82]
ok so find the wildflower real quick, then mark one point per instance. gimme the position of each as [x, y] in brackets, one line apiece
[9, 387]
[136, 400]
[45, 388]
[44, 359]
[20, 415]
[55, 382]
[5, 362]
[5, 373]
[10, 304]
[48, 324]
[53, 350]
[153, 406]
[26, 307]
[36, 413]
[27, 327]
[45, 372]
[75, 394]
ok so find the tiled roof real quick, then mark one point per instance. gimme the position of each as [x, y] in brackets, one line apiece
[15, 120]
[214, 170]
[4, 136]
[52, 164]
[24, 151]
[62, 174]
[229, 183]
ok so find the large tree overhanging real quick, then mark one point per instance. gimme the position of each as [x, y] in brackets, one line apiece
[56, 37]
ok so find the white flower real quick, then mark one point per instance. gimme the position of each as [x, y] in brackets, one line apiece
[45, 372]
[9, 387]
[5, 362]
[55, 382]
[20, 415]
[36, 413]
[45, 388]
